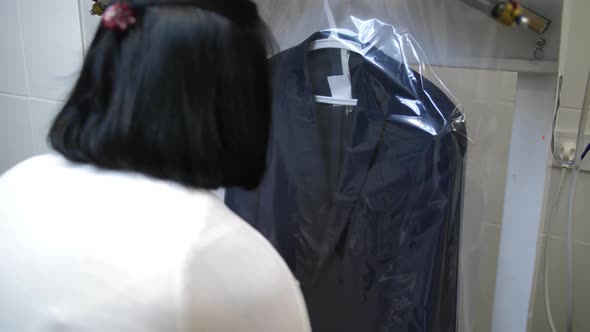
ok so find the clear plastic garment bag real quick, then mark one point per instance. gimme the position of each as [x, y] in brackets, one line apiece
[388, 163]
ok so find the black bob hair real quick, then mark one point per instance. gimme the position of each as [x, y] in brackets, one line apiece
[182, 95]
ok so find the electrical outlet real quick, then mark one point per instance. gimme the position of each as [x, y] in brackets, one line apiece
[564, 142]
[566, 150]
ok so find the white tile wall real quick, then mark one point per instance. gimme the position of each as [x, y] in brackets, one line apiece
[16, 133]
[488, 99]
[42, 116]
[53, 46]
[569, 119]
[41, 57]
[12, 63]
[471, 84]
[581, 213]
[89, 23]
[490, 130]
[577, 56]
[478, 270]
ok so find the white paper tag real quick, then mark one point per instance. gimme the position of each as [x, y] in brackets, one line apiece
[340, 87]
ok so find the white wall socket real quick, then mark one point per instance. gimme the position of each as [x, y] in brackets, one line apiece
[571, 137]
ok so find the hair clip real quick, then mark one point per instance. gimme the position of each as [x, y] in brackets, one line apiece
[118, 16]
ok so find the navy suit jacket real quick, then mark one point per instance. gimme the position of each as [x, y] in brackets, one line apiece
[363, 204]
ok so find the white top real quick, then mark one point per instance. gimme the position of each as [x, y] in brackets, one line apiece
[88, 250]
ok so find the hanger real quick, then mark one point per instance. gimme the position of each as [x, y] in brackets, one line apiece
[346, 46]
[332, 42]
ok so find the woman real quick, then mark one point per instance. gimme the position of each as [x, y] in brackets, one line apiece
[119, 232]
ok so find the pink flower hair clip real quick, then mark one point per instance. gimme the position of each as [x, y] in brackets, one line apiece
[118, 16]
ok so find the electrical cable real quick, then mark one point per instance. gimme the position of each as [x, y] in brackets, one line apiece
[554, 208]
[575, 164]
[571, 208]
[570, 271]
[586, 152]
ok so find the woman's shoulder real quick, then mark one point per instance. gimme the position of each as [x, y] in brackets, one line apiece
[228, 242]
[31, 165]
[17, 182]
[232, 277]
[236, 281]
[49, 188]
